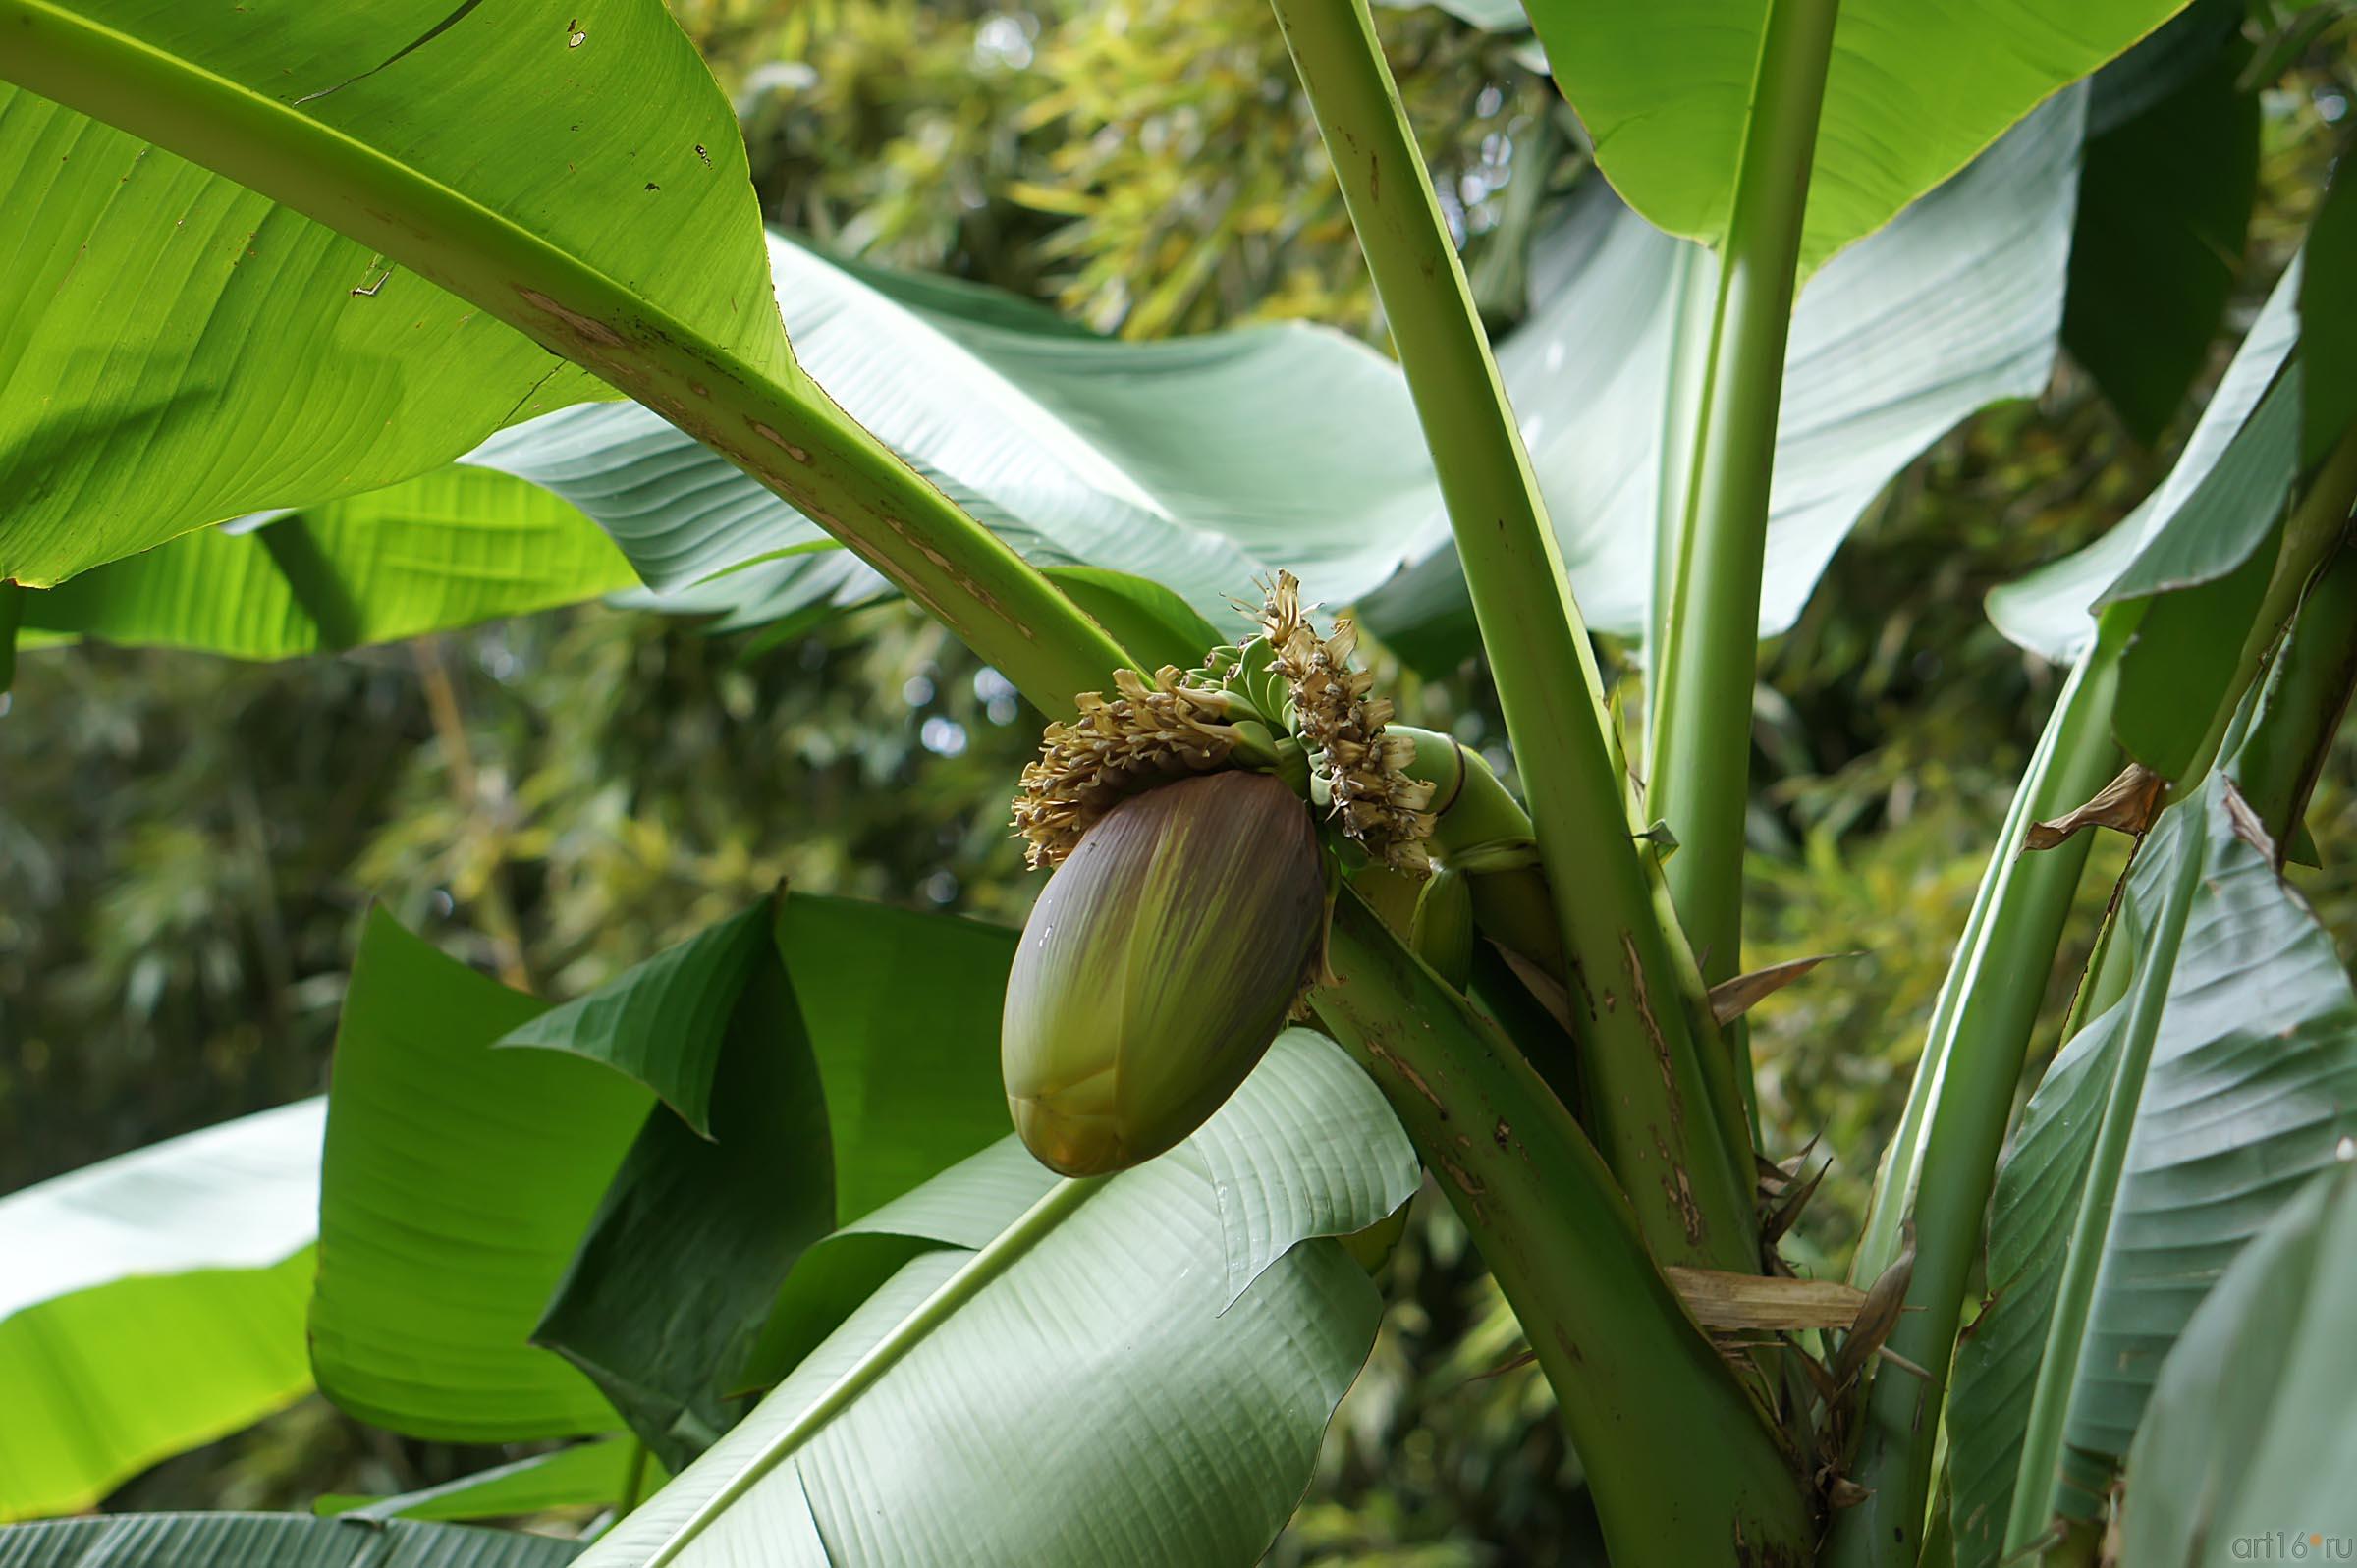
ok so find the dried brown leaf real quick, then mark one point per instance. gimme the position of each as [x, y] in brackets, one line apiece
[1779, 1218]
[1733, 998]
[1736, 1303]
[1877, 1318]
[2129, 803]
[1843, 1493]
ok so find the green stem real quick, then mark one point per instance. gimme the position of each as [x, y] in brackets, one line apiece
[1694, 299]
[1698, 772]
[634, 1477]
[2074, 1295]
[784, 431]
[1943, 1160]
[1029, 1228]
[1973, 1064]
[1685, 1469]
[2013, 930]
[2307, 697]
[1652, 1100]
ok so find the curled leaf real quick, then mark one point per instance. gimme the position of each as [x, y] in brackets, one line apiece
[2129, 803]
[1875, 1318]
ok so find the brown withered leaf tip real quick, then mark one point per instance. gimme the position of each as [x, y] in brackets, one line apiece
[1115, 747]
[1780, 1210]
[1381, 808]
[2129, 803]
[1733, 998]
[1877, 1316]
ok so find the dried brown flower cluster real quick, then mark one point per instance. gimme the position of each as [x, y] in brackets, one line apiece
[1383, 809]
[1141, 736]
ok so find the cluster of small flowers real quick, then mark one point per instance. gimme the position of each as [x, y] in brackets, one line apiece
[1140, 736]
[1381, 809]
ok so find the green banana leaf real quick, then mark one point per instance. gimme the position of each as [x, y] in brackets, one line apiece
[2251, 1089]
[596, 1474]
[2165, 202]
[1061, 1376]
[1267, 1201]
[2204, 520]
[1076, 448]
[663, 1021]
[670, 1285]
[2247, 1448]
[2328, 320]
[582, 182]
[433, 554]
[547, 1196]
[838, 1089]
[455, 1183]
[1668, 92]
[902, 1015]
[1954, 306]
[153, 1301]
[2187, 570]
[182, 351]
[272, 1541]
[1200, 463]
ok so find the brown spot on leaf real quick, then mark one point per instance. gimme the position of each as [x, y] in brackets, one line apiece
[1412, 1078]
[1466, 1181]
[586, 328]
[1654, 1037]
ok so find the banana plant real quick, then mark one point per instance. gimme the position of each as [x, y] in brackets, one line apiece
[838, 1234]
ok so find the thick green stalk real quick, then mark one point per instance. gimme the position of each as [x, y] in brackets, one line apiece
[1694, 297]
[784, 433]
[2307, 697]
[1943, 1160]
[2011, 936]
[1686, 1471]
[953, 1294]
[1698, 772]
[2074, 1295]
[1649, 1092]
[1483, 832]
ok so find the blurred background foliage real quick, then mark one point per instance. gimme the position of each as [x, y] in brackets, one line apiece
[187, 846]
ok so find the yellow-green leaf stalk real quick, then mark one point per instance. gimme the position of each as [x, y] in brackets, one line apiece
[1655, 1105]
